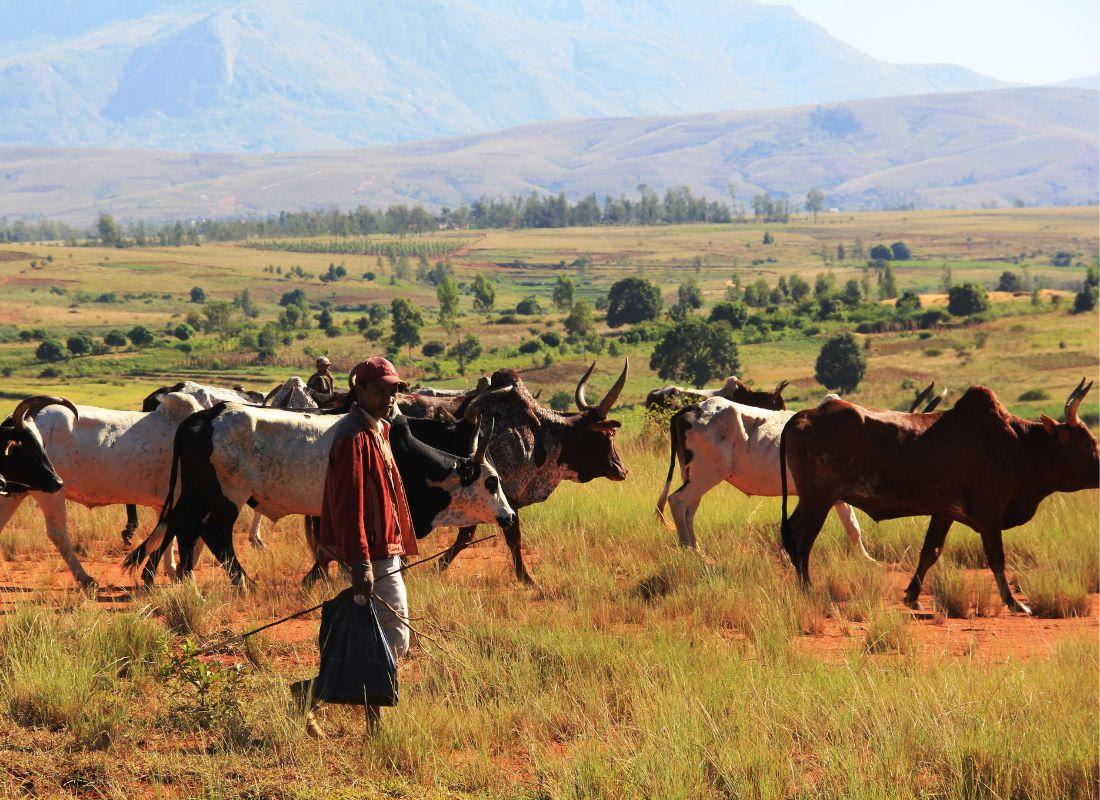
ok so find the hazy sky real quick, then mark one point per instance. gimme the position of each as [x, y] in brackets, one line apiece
[1024, 41]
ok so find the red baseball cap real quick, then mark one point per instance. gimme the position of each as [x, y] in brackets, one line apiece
[377, 371]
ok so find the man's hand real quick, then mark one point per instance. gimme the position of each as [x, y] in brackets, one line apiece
[362, 582]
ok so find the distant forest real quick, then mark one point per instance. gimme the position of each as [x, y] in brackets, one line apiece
[677, 206]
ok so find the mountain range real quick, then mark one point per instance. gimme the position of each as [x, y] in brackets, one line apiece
[283, 75]
[1034, 145]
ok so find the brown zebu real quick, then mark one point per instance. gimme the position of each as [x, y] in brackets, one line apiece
[671, 398]
[977, 464]
[535, 449]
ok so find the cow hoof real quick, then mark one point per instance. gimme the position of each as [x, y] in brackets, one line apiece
[442, 564]
[1019, 608]
[88, 585]
[127, 536]
[913, 603]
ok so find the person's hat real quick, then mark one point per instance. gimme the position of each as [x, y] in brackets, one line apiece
[376, 371]
[322, 361]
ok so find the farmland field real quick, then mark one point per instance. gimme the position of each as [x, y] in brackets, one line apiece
[634, 669]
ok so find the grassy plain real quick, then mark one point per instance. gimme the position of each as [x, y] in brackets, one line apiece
[637, 670]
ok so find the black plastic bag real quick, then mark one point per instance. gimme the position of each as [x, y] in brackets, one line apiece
[357, 666]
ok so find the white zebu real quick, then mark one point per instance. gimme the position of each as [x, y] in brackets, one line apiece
[719, 440]
[105, 457]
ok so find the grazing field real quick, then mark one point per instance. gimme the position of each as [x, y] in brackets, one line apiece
[634, 669]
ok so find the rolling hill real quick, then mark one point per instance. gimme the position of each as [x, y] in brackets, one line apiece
[279, 75]
[1036, 145]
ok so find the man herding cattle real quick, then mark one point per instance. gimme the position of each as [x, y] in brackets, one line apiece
[365, 520]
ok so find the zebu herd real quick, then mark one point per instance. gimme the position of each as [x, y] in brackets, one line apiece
[201, 454]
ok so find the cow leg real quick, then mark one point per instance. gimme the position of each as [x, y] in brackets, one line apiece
[934, 538]
[218, 535]
[995, 554]
[684, 502]
[131, 524]
[851, 527]
[319, 570]
[465, 536]
[254, 537]
[802, 529]
[53, 509]
[512, 538]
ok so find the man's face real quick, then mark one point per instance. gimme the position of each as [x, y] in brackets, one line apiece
[376, 399]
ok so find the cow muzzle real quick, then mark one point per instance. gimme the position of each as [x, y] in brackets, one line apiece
[507, 520]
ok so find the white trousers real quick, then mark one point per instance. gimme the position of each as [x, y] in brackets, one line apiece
[392, 591]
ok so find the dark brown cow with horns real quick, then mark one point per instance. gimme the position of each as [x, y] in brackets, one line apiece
[535, 448]
[977, 464]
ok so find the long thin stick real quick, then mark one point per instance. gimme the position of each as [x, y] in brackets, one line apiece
[241, 636]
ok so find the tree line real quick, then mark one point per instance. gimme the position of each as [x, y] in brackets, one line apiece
[678, 205]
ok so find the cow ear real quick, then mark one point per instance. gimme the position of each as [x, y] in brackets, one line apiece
[1048, 423]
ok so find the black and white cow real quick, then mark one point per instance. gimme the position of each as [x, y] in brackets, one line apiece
[24, 464]
[105, 457]
[232, 455]
[208, 397]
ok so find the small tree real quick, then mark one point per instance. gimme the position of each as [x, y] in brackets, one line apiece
[696, 352]
[632, 300]
[881, 252]
[564, 289]
[446, 292]
[484, 293]
[967, 299]
[840, 364]
[108, 230]
[1010, 282]
[580, 322]
[465, 351]
[198, 295]
[433, 349]
[407, 322]
[140, 336]
[815, 201]
[1086, 298]
[295, 297]
[852, 294]
[768, 238]
[115, 339]
[529, 306]
[689, 294]
[734, 314]
[908, 302]
[900, 251]
[50, 350]
[80, 344]
[889, 286]
[798, 288]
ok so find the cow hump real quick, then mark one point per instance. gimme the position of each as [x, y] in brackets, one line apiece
[177, 406]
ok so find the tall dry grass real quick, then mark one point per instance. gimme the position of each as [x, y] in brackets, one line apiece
[638, 670]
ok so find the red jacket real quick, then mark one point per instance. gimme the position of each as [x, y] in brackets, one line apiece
[364, 512]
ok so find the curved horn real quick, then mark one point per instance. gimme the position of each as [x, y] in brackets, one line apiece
[928, 409]
[482, 446]
[475, 406]
[578, 394]
[537, 394]
[1074, 401]
[779, 389]
[351, 381]
[609, 399]
[32, 405]
[920, 398]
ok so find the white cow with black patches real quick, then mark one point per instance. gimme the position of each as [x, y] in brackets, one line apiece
[105, 457]
[232, 453]
[719, 440]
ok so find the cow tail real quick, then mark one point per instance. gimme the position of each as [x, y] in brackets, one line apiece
[784, 525]
[155, 540]
[673, 436]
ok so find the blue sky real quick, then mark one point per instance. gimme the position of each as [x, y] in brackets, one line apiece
[1023, 41]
